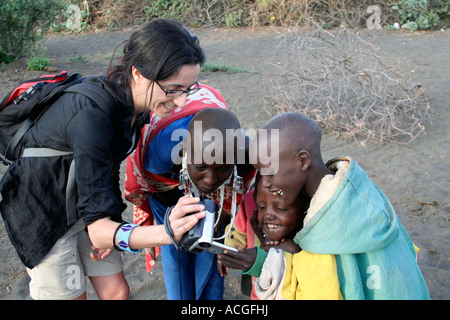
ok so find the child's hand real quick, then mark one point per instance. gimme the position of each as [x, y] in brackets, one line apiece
[288, 245]
[242, 260]
[272, 243]
[222, 268]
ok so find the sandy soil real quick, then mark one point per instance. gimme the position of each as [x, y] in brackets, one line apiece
[414, 177]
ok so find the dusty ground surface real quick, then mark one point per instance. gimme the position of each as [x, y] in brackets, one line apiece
[415, 177]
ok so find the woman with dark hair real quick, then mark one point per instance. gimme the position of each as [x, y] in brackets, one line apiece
[158, 70]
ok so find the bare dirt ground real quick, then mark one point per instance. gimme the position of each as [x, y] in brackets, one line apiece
[414, 177]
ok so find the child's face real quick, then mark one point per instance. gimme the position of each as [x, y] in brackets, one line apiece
[210, 171]
[209, 177]
[288, 179]
[280, 220]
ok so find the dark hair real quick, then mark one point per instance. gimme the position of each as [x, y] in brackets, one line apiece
[158, 50]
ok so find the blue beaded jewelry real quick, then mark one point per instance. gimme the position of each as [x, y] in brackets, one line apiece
[123, 236]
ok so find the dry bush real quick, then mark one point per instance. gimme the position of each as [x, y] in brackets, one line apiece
[329, 13]
[342, 82]
[351, 13]
[111, 14]
[192, 13]
[234, 13]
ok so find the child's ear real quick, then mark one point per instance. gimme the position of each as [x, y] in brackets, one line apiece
[303, 159]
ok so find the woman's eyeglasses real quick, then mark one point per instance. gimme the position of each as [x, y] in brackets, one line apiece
[176, 93]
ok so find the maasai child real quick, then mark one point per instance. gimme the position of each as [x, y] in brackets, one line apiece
[266, 220]
[353, 244]
[156, 179]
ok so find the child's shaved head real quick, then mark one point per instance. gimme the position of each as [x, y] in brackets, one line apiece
[217, 118]
[211, 145]
[297, 132]
[296, 154]
[210, 133]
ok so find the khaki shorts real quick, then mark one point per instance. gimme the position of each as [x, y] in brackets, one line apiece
[62, 273]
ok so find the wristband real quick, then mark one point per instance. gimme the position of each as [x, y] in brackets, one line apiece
[123, 237]
[114, 237]
[255, 270]
[168, 228]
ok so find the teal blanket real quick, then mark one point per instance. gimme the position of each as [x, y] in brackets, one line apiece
[374, 254]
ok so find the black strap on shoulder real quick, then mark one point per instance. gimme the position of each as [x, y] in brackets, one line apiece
[71, 203]
[95, 92]
[101, 97]
[37, 111]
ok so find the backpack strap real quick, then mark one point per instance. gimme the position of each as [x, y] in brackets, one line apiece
[95, 92]
[71, 211]
[101, 97]
[37, 111]
[71, 192]
[44, 152]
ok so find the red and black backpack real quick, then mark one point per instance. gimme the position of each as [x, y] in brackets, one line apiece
[25, 104]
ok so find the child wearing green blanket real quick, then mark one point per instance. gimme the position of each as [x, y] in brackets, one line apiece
[353, 244]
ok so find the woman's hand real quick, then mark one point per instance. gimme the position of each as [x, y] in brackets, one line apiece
[99, 254]
[181, 221]
[185, 215]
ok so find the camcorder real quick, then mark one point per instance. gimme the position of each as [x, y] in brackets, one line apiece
[201, 237]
